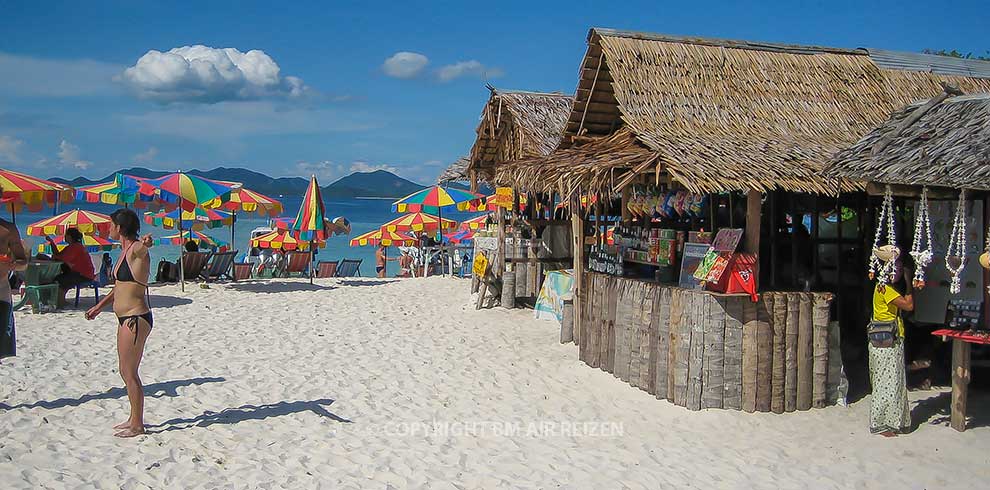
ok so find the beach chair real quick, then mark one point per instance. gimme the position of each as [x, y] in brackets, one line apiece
[40, 287]
[297, 263]
[242, 271]
[326, 269]
[193, 264]
[349, 268]
[219, 266]
[91, 284]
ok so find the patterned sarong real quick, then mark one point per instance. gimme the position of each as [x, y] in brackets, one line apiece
[889, 406]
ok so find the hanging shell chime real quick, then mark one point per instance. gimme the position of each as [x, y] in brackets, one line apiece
[883, 261]
[921, 248]
[955, 254]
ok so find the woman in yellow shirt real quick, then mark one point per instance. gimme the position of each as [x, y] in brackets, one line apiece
[889, 414]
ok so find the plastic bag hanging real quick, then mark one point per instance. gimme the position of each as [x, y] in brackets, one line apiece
[883, 260]
[921, 248]
[955, 254]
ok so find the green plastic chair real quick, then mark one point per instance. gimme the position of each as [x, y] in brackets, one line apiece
[40, 287]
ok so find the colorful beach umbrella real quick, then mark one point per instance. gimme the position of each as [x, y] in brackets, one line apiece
[196, 219]
[87, 222]
[420, 222]
[203, 240]
[21, 190]
[311, 222]
[476, 223]
[434, 199]
[459, 236]
[122, 190]
[186, 190]
[282, 239]
[386, 238]
[93, 244]
[246, 200]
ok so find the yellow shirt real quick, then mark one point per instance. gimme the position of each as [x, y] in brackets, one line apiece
[883, 306]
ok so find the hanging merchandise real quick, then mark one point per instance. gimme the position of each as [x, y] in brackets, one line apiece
[921, 249]
[955, 254]
[985, 256]
[883, 261]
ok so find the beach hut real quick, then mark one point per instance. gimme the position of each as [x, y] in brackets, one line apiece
[750, 125]
[456, 172]
[935, 149]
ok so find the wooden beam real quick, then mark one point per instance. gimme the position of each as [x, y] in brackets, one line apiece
[577, 244]
[753, 217]
[960, 383]
[598, 70]
[626, 215]
[948, 90]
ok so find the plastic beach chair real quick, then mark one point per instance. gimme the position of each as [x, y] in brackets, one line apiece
[91, 284]
[349, 268]
[326, 269]
[219, 266]
[39, 285]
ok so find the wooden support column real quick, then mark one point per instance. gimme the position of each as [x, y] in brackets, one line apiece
[753, 216]
[626, 215]
[577, 251]
[474, 180]
[960, 383]
[500, 247]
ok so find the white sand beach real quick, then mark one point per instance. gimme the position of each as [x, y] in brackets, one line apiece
[401, 384]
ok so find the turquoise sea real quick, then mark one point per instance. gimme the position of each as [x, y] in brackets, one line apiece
[363, 214]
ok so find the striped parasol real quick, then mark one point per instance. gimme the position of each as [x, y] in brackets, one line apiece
[282, 239]
[386, 238]
[311, 222]
[203, 240]
[122, 190]
[419, 222]
[186, 190]
[87, 222]
[249, 201]
[433, 199]
[476, 223]
[197, 219]
[93, 244]
[20, 190]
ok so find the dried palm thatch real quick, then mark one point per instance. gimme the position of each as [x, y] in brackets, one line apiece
[516, 125]
[948, 146]
[732, 115]
[457, 171]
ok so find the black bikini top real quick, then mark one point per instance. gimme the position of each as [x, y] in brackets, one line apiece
[124, 273]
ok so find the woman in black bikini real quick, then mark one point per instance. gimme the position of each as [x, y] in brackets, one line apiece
[133, 312]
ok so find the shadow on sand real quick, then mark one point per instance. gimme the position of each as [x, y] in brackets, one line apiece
[275, 287]
[248, 412]
[936, 410]
[354, 282]
[156, 301]
[154, 390]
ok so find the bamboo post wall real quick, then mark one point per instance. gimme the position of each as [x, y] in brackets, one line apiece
[703, 350]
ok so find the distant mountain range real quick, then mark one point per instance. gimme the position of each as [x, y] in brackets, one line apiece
[377, 184]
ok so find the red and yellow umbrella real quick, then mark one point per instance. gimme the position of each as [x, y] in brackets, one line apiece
[93, 244]
[201, 239]
[282, 239]
[186, 190]
[21, 190]
[311, 222]
[383, 237]
[242, 199]
[475, 223]
[419, 222]
[196, 219]
[435, 198]
[87, 222]
[123, 189]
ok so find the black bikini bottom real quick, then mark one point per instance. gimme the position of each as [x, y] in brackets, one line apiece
[132, 322]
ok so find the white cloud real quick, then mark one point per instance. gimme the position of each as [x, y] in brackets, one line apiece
[10, 149]
[69, 155]
[325, 171]
[209, 75]
[226, 121]
[362, 166]
[405, 64]
[472, 68]
[146, 156]
[24, 75]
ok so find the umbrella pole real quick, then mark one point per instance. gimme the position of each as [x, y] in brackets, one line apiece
[232, 223]
[182, 257]
[311, 261]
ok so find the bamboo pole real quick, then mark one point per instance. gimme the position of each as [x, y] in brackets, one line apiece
[577, 244]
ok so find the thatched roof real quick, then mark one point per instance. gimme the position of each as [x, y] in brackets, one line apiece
[949, 146]
[517, 124]
[733, 115]
[455, 172]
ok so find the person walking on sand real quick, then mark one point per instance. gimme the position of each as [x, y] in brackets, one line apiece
[12, 258]
[133, 312]
[889, 414]
[380, 261]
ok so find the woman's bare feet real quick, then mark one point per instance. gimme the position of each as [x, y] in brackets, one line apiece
[129, 432]
[887, 433]
[123, 425]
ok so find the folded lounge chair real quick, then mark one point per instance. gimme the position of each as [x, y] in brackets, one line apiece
[297, 263]
[219, 266]
[326, 269]
[349, 268]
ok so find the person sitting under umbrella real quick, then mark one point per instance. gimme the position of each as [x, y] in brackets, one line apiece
[77, 267]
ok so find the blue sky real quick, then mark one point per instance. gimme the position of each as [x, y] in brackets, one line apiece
[90, 87]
